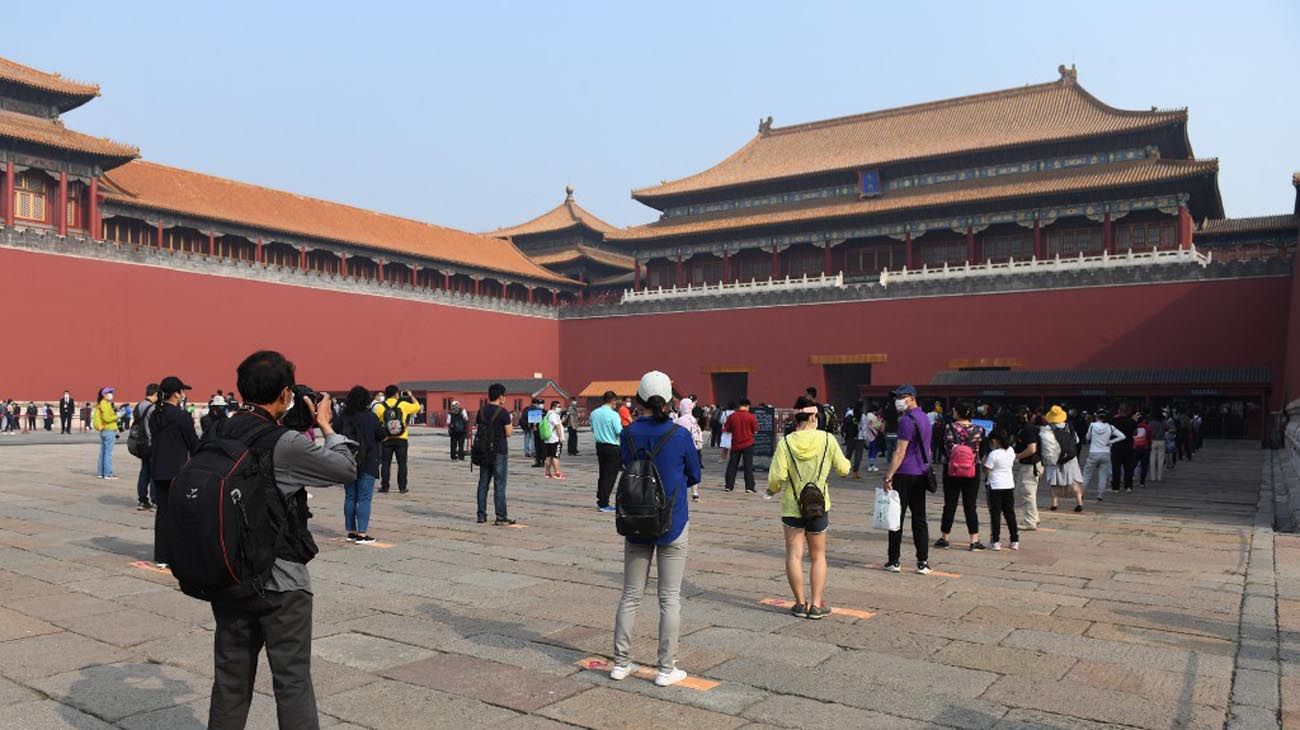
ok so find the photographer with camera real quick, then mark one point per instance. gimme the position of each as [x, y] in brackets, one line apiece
[278, 614]
[394, 415]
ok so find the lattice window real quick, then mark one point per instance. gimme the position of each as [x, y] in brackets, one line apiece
[705, 271]
[29, 198]
[1019, 246]
[1073, 241]
[73, 212]
[1146, 236]
[935, 255]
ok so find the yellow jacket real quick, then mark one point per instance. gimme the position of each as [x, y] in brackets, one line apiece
[107, 415]
[407, 409]
[798, 460]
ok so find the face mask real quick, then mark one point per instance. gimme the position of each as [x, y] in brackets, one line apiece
[291, 402]
[900, 404]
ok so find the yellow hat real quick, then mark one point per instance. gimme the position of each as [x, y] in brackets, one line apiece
[1055, 415]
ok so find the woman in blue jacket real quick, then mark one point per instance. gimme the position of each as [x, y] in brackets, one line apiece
[679, 468]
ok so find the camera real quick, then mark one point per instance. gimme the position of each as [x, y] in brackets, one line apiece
[299, 417]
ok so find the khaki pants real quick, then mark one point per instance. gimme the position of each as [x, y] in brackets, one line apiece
[1157, 461]
[1026, 476]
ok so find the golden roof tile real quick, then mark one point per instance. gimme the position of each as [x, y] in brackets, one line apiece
[52, 133]
[79, 93]
[562, 217]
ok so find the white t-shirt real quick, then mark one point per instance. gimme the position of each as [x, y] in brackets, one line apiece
[557, 428]
[999, 463]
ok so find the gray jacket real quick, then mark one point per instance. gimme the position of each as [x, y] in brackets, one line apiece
[301, 463]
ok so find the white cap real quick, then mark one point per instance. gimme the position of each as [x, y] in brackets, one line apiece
[655, 383]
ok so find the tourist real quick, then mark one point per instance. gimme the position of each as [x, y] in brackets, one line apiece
[493, 422]
[1184, 435]
[281, 617]
[528, 420]
[457, 427]
[67, 407]
[217, 405]
[875, 436]
[172, 441]
[86, 416]
[1157, 425]
[146, 495]
[1171, 444]
[104, 420]
[570, 421]
[358, 423]
[47, 415]
[1101, 435]
[855, 443]
[906, 473]
[961, 477]
[31, 416]
[1141, 448]
[724, 443]
[741, 426]
[937, 423]
[605, 428]
[1063, 476]
[688, 422]
[889, 416]
[1122, 455]
[715, 426]
[395, 412]
[804, 457]
[552, 437]
[1002, 488]
[679, 468]
[625, 412]
[1027, 467]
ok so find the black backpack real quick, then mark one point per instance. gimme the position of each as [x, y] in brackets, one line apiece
[394, 420]
[643, 508]
[1069, 444]
[137, 441]
[225, 515]
[483, 452]
[811, 499]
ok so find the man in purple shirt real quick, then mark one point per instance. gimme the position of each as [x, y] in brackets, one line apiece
[906, 474]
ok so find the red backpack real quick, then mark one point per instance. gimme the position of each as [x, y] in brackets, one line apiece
[961, 460]
[1142, 437]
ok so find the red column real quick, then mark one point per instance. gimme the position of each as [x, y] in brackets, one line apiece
[9, 195]
[908, 259]
[970, 245]
[412, 270]
[446, 282]
[636, 277]
[476, 282]
[343, 264]
[212, 243]
[261, 256]
[1038, 240]
[302, 257]
[92, 201]
[160, 236]
[381, 271]
[62, 225]
[826, 259]
[530, 294]
[681, 277]
[776, 262]
[503, 291]
[726, 266]
[1184, 227]
[1108, 234]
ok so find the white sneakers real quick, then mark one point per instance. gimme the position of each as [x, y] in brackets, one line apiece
[619, 673]
[996, 546]
[669, 679]
[1015, 546]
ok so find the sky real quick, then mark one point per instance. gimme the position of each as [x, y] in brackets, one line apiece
[476, 115]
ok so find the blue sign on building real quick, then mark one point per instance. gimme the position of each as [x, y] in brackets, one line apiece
[869, 183]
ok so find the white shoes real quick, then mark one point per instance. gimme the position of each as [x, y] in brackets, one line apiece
[670, 678]
[1015, 546]
[997, 546]
[619, 673]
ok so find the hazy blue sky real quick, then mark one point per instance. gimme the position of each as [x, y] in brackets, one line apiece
[476, 115]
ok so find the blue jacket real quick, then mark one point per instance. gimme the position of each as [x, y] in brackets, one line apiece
[678, 464]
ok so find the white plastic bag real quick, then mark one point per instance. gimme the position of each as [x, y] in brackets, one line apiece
[888, 512]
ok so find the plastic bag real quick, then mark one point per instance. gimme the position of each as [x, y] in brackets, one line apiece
[888, 511]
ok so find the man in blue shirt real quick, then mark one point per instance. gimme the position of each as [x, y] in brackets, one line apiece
[606, 425]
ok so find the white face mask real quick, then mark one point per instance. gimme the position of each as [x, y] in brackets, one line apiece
[901, 405]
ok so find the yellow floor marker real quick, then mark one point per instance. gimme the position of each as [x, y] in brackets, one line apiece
[601, 664]
[146, 565]
[365, 544]
[835, 610]
[940, 573]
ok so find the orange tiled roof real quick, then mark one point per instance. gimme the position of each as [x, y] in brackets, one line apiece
[1286, 222]
[158, 187]
[1051, 112]
[1076, 180]
[562, 217]
[609, 258]
[16, 73]
[52, 133]
[621, 388]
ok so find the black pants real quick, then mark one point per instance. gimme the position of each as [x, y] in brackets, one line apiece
[391, 447]
[65, 423]
[457, 446]
[733, 460]
[1143, 461]
[968, 489]
[1184, 441]
[715, 435]
[573, 441]
[911, 496]
[1002, 504]
[610, 459]
[1122, 462]
[282, 623]
[162, 487]
[539, 447]
[31, 423]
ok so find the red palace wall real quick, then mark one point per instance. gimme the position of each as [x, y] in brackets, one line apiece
[1220, 323]
[1290, 381]
[82, 324]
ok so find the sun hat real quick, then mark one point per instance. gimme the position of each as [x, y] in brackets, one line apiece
[1055, 415]
[655, 383]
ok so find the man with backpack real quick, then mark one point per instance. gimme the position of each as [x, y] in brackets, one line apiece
[171, 441]
[394, 414]
[254, 569]
[1027, 469]
[137, 444]
[457, 426]
[490, 453]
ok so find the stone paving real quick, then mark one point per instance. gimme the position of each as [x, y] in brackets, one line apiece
[1132, 614]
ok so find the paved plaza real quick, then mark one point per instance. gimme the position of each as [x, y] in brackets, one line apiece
[1174, 607]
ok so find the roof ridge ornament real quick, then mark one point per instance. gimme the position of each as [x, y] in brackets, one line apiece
[568, 193]
[765, 127]
[1069, 76]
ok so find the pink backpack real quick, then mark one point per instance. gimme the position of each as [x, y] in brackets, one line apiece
[961, 460]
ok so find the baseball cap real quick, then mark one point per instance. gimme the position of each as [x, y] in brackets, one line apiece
[904, 390]
[173, 384]
[655, 383]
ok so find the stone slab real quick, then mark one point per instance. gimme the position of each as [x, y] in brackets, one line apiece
[486, 681]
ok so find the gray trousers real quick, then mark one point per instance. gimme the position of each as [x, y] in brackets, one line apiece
[1098, 463]
[1026, 476]
[280, 622]
[636, 573]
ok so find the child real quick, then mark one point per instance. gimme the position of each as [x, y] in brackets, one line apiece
[1002, 492]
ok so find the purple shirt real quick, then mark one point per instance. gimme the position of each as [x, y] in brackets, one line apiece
[914, 428]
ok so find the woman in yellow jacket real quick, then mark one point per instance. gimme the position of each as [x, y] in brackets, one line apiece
[105, 421]
[806, 455]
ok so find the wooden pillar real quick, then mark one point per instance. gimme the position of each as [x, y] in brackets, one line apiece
[1108, 234]
[343, 264]
[261, 256]
[776, 262]
[1038, 240]
[476, 287]
[726, 266]
[636, 277]
[212, 243]
[381, 271]
[61, 225]
[92, 203]
[680, 276]
[412, 276]
[909, 260]
[826, 259]
[9, 195]
[530, 295]
[1184, 227]
[502, 297]
[446, 282]
[970, 245]
[302, 257]
[159, 229]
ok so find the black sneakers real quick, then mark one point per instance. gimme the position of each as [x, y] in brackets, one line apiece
[941, 543]
[977, 546]
[799, 610]
[506, 521]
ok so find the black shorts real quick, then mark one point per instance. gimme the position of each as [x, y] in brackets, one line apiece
[813, 527]
[551, 450]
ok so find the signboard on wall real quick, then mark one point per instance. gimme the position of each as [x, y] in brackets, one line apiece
[869, 183]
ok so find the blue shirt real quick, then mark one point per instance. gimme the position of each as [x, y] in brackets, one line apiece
[606, 425]
[678, 463]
